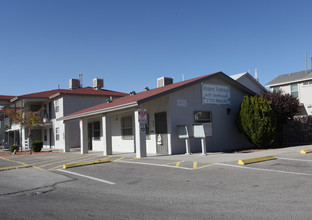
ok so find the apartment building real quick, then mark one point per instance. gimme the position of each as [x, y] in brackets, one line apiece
[56, 104]
[299, 85]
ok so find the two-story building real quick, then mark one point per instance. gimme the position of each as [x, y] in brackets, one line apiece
[56, 103]
[299, 85]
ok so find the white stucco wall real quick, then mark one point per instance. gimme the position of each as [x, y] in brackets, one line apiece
[69, 104]
[224, 132]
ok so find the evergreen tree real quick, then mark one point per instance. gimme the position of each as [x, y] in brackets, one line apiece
[257, 120]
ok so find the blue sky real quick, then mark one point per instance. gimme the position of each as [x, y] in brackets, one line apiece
[130, 43]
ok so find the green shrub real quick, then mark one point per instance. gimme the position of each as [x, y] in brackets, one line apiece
[37, 146]
[257, 120]
[14, 147]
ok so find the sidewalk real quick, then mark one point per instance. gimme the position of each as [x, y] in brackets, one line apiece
[229, 157]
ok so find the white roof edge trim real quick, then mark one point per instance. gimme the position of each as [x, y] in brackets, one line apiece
[289, 82]
[100, 111]
[54, 95]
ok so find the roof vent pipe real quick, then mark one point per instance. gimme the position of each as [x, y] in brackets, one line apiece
[256, 75]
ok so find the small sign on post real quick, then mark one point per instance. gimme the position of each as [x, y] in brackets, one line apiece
[142, 116]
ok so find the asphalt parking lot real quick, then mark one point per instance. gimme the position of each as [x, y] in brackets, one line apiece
[168, 187]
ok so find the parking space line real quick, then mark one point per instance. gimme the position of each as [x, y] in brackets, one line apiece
[88, 177]
[177, 164]
[153, 164]
[119, 159]
[14, 161]
[44, 165]
[262, 169]
[55, 159]
[195, 167]
[284, 158]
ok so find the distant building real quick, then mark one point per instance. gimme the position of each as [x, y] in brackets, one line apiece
[56, 104]
[250, 82]
[299, 85]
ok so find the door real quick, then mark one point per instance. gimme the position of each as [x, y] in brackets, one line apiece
[50, 137]
[161, 133]
[89, 136]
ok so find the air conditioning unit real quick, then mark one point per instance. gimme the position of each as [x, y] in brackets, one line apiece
[98, 83]
[74, 84]
[164, 81]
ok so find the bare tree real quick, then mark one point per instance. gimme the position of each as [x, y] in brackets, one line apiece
[26, 119]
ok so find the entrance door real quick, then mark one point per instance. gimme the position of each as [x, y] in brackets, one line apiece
[89, 136]
[50, 137]
[161, 133]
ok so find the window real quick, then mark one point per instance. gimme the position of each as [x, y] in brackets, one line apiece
[45, 135]
[294, 90]
[202, 117]
[307, 83]
[276, 89]
[57, 134]
[96, 130]
[56, 104]
[126, 126]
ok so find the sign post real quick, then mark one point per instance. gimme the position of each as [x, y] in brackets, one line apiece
[140, 132]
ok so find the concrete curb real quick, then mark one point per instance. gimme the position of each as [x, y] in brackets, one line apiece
[306, 151]
[256, 160]
[13, 168]
[69, 165]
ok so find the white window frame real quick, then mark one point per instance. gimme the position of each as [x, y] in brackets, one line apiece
[294, 93]
[56, 105]
[126, 126]
[57, 133]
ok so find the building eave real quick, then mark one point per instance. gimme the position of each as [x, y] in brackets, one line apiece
[287, 83]
[99, 111]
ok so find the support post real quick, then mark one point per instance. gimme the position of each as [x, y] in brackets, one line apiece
[140, 136]
[107, 136]
[188, 146]
[83, 136]
[203, 143]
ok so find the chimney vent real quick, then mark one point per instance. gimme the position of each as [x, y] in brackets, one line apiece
[164, 81]
[98, 83]
[256, 75]
[74, 84]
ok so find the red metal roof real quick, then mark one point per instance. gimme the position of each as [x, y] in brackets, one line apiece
[80, 91]
[144, 96]
[6, 97]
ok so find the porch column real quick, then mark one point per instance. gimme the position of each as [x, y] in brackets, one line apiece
[67, 137]
[83, 136]
[140, 135]
[106, 136]
[14, 137]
